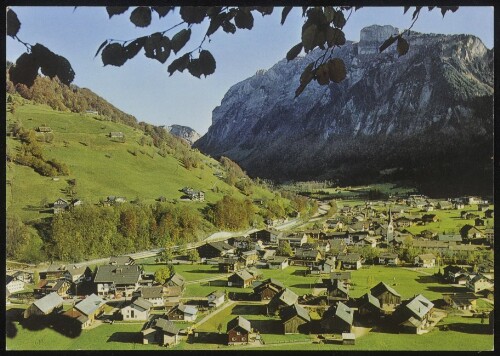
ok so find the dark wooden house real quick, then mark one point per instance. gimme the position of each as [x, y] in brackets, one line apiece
[227, 265]
[238, 331]
[338, 319]
[368, 306]
[294, 319]
[267, 289]
[215, 249]
[386, 295]
[412, 316]
[336, 290]
[284, 298]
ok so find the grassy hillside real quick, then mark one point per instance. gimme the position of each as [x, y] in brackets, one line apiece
[102, 166]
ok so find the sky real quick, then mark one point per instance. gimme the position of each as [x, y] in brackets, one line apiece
[142, 86]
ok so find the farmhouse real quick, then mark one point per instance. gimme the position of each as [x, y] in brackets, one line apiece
[294, 240]
[77, 275]
[306, 256]
[173, 287]
[267, 289]
[338, 319]
[215, 249]
[114, 200]
[86, 311]
[284, 298]
[388, 258]
[238, 330]
[460, 301]
[386, 295]
[479, 282]
[249, 258]
[153, 294]
[454, 274]
[230, 265]
[43, 129]
[350, 261]
[412, 315]
[51, 303]
[138, 309]
[183, 312]
[242, 242]
[428, 218]
[46, 286]
[215, 299]
[277, 262]
[294, 319]
[368, 306]
[425, 260]
[14, 284]
[449, 238]
[266, 235]
[241, 279]
[336, 290]
[121, 261]
[120, 280]
[116, 134]
[324, 267]
[344, 277]
[444, 204]
[160, 331]
[54, 271]
[60, 205]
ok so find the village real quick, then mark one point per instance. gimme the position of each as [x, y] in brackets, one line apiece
[332, 281]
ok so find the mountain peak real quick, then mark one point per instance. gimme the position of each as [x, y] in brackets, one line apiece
[184, 132]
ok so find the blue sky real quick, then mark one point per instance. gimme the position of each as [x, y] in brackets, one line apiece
[142, 87]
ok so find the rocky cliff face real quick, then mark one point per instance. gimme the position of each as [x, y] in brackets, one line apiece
[407, 115]
[184, 132]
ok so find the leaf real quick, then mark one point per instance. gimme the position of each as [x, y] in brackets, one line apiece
[243, 20]
[431, 8]
[101, 47]
[215, 23]
[158, 47]
[114, 54]
[322, 75]
[194, 68]
[135, 46]
[179, 64]
[265, 10]
[284, 13]
[308, 37]
[416, 12]
[329, 13]
[207, 63]
[307, 74]
[320, 39]
[193, 14]
[402, 46]
[13, 24]
[228, 27]
[294, 51]
[141, 16]
[214, 11]
[25, 70]
[406, 9]
[444, 9]
[64, 71]
[387, 43]
[336, 70]
[180, 39]
[116, 10]
[339, 19]
[162, 11]
[335, 37]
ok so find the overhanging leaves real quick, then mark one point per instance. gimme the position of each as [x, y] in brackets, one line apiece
[25, 70]
[207, 63]
[305, 78]
[180, 39]
[179, 64]
[243, 19]
[114, 54]
[101, 47]
[335, 37]
[193, 14]
[284, 13]
[116, 10]
[52, 64]
[294, 51]
[194, 68]
[308, 36]
[402, 46]
[228, 27]
[215, 23]
[387, 43]
[157, 47]
[135, 46]
[141, 16]
[13, 23]
[336, 70]
[162, 11]
[339, 19]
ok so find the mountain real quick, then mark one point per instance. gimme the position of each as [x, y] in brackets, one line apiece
[184, 132]
[426, 117]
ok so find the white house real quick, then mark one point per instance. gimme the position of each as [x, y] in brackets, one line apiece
[215, 299]
[427, 260]
[153, 294]
[479, 282]
[14, 284]
[138, 310]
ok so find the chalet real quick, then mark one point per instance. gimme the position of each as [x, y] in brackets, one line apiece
[77, 275]
[306, 257]
[324, 267]
[241, 279]
[344, 277]
[119, 280]
[173, 287]
[267, 289]
[121, 261]
[470, 216]
[386, 295]
[444, 205]
[336, 290]
[278, 262]
[238, 331]
[428, 207]
[427, 260]
[249, 258]
[60, 205]
[153, 295]
[454, 274]
[51, 303]
[54, 271]
[449, 238]
[294, 240]
[294, 319]
[336, 236]
[357, 236]
[427, 234]
[429, 218]
[160, 331]
[216, 299]
[284, 298]
[227, 265]
[14, 284]
[460, 301]
[138, 309]
[196, 195]
[350, 261]
[116, 134]
[458, 205]
[388, 258]
[368, 306]
[412, 316]
[266, 236]
[479, 282]
[24, 276]
[403, 221]
[183, 312]
[48, 286]
[338, 319]
[215, 249]
[337, 246]
[86, 311]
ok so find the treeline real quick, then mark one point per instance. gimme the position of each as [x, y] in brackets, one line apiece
[232, 214]
[22, 242]
[68, 98]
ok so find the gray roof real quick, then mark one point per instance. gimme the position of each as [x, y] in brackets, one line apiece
[370, 299]
[217, 293]
[241, 322]
[243, 274]
[340, 275]
[381, 287]
[188, 309]
[118, 274]
[267, 282]
[152, 292]
[176, 279]
[167, 326]
[56, 267]
[419, 306]
[288, 297]
[450, 237]
[74, 270]
[221, 245]
[49, 302]
[344, 312]
[142, 303]
[89, 304]
[294, 310]
[277, 259]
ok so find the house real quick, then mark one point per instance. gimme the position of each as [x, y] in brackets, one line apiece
[238, 331]
[454, 274]
[489, 234]
[482, 207]
[295, 240]
[388, 258]
[138, 309]
[403, 221]
[458, 205]
[114, 200]
[427, 260]
[46, 286]
[242, 242]
[60, 205]
[183, 312]
[368, 306]
[471, 232]
[196, 195]
[338, 319]
[428, 234]
[121, 261]
[117, 280]
[153, 294]
[227, 265]
[325, 267]
[116, 134]
[241, 279]
[449, 238]
[350, 261]
[51, 303]
[348, 339]
[277, 262]
[173, 287]
[13, 284]
[429, 218]
[267, 289]
[86, 311]
[249, 258]
[284, 298]
[387, 296]
[479, 282]
[412, 316]
[215, 249]
[444, 205]
[54, 271]
[489, 214]
[77, 275]
[266, 254]
[160, 331]
[306, 256]
[266, 235]
[336, 290]
[338, 246]
[344, 277]
[460, 301]
[294, 319]
[216, 299]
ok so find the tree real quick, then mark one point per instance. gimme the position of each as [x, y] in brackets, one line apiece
[284, 249]
[36, 277]
[193, 255]
[162, 274]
